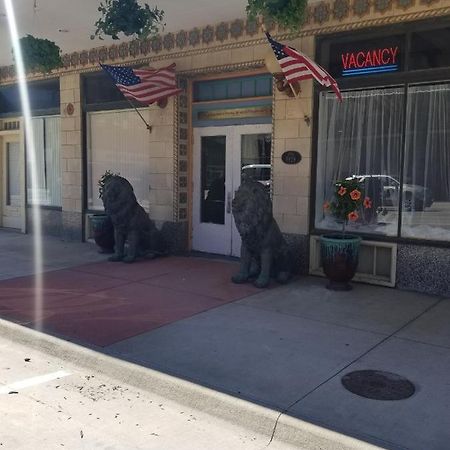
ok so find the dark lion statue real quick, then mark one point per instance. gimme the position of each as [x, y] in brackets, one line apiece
[132, 224]
[264, 252]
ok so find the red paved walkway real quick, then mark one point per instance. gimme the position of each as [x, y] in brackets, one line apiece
[106, 302]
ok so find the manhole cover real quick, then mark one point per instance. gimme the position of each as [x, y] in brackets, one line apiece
[378, 385]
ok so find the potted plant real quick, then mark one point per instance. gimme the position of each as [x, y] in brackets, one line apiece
[102, 227]
[340, 251]
[40, 55]
[129, 18]
[289, 14]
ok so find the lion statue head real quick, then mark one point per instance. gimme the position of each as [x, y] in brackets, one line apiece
[118, 196]
[252, 210]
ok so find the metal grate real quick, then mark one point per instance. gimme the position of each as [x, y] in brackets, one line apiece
[378, 385]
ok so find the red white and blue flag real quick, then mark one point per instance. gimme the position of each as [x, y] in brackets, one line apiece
[296, 66]
[146, 86]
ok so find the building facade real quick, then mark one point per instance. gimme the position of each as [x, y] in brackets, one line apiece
[391, 59]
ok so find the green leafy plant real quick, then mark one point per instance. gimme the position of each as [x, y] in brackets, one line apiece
[288, 13]
[128, 17]
[40, 55]
[348, 199]
[103, 180]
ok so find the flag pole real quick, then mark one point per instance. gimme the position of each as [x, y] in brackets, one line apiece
[149, 127]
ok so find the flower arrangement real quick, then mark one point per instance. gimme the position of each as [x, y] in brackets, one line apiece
[128, 17]
[103, 180]
[348, 199]
[287, 13]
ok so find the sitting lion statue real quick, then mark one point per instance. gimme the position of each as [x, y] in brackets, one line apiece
[132, 224]
[264, 252]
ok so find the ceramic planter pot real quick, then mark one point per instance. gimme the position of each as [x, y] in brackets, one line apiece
[339, 255]
[103, 232]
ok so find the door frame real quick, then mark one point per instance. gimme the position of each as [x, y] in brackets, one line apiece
[233, 165]
[5, 137]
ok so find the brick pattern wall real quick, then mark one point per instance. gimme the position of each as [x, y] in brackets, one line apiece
[71, 156]
[291, 183]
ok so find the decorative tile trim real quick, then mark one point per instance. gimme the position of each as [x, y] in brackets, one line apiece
[341, 9]
[325, 14]
[181, 135]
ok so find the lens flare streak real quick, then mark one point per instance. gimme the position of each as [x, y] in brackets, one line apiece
[31, 158]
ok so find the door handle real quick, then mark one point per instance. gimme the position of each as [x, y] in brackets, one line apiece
[228, 202]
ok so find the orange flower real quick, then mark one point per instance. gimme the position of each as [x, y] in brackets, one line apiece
[342, 191]
[326, 205]
[367, 203]
[355, 194]
[353, 216]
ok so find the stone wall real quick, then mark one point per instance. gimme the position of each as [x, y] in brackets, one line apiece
[71, 157]
[424, 269]
[292, 130]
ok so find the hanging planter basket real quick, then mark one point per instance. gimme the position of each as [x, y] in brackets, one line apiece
[289, 14]
[129, 18]
[40, 55]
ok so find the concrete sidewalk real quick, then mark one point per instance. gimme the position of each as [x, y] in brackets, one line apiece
[285, 348]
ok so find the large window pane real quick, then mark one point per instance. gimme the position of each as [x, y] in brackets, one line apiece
[362, 137]
[427, 163]
[119, 142]
[46, 133]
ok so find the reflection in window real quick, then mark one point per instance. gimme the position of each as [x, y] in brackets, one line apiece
[426, 190]
[212, 191]
[255, 157]
[361, 137]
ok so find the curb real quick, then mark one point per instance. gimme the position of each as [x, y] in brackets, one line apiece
[239, 412]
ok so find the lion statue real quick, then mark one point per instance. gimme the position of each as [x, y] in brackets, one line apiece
[132, 224]
[264, 252]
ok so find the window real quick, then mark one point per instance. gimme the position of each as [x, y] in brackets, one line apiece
[46, 131]
[110, 134]
[430, 49]
[426, 212]
[44, 96]
[362, 137]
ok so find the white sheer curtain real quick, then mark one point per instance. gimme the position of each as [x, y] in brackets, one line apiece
[46, 132]
[118, 142]
[427, 163]
[52, 146]
[360, 136]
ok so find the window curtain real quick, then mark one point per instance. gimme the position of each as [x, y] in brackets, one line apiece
[46, 133]
[427, 163]
[52, 154]
[118, 142]
[38, 134]
[360, 136]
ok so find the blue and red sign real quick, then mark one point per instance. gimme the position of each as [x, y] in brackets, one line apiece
[365, 56]
[376, 60]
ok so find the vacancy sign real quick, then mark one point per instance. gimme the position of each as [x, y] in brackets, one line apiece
[377, 60]
[359, 58]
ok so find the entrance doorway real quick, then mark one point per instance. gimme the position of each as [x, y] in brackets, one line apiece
[11, 205]
[221, 154]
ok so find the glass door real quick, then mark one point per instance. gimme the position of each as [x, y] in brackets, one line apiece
[221, 156]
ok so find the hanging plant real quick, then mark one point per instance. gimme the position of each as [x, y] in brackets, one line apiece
[129, 18]
[40, 55]
[289, 14]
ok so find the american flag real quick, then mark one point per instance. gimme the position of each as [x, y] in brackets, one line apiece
[296, 66]
[144, 85]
